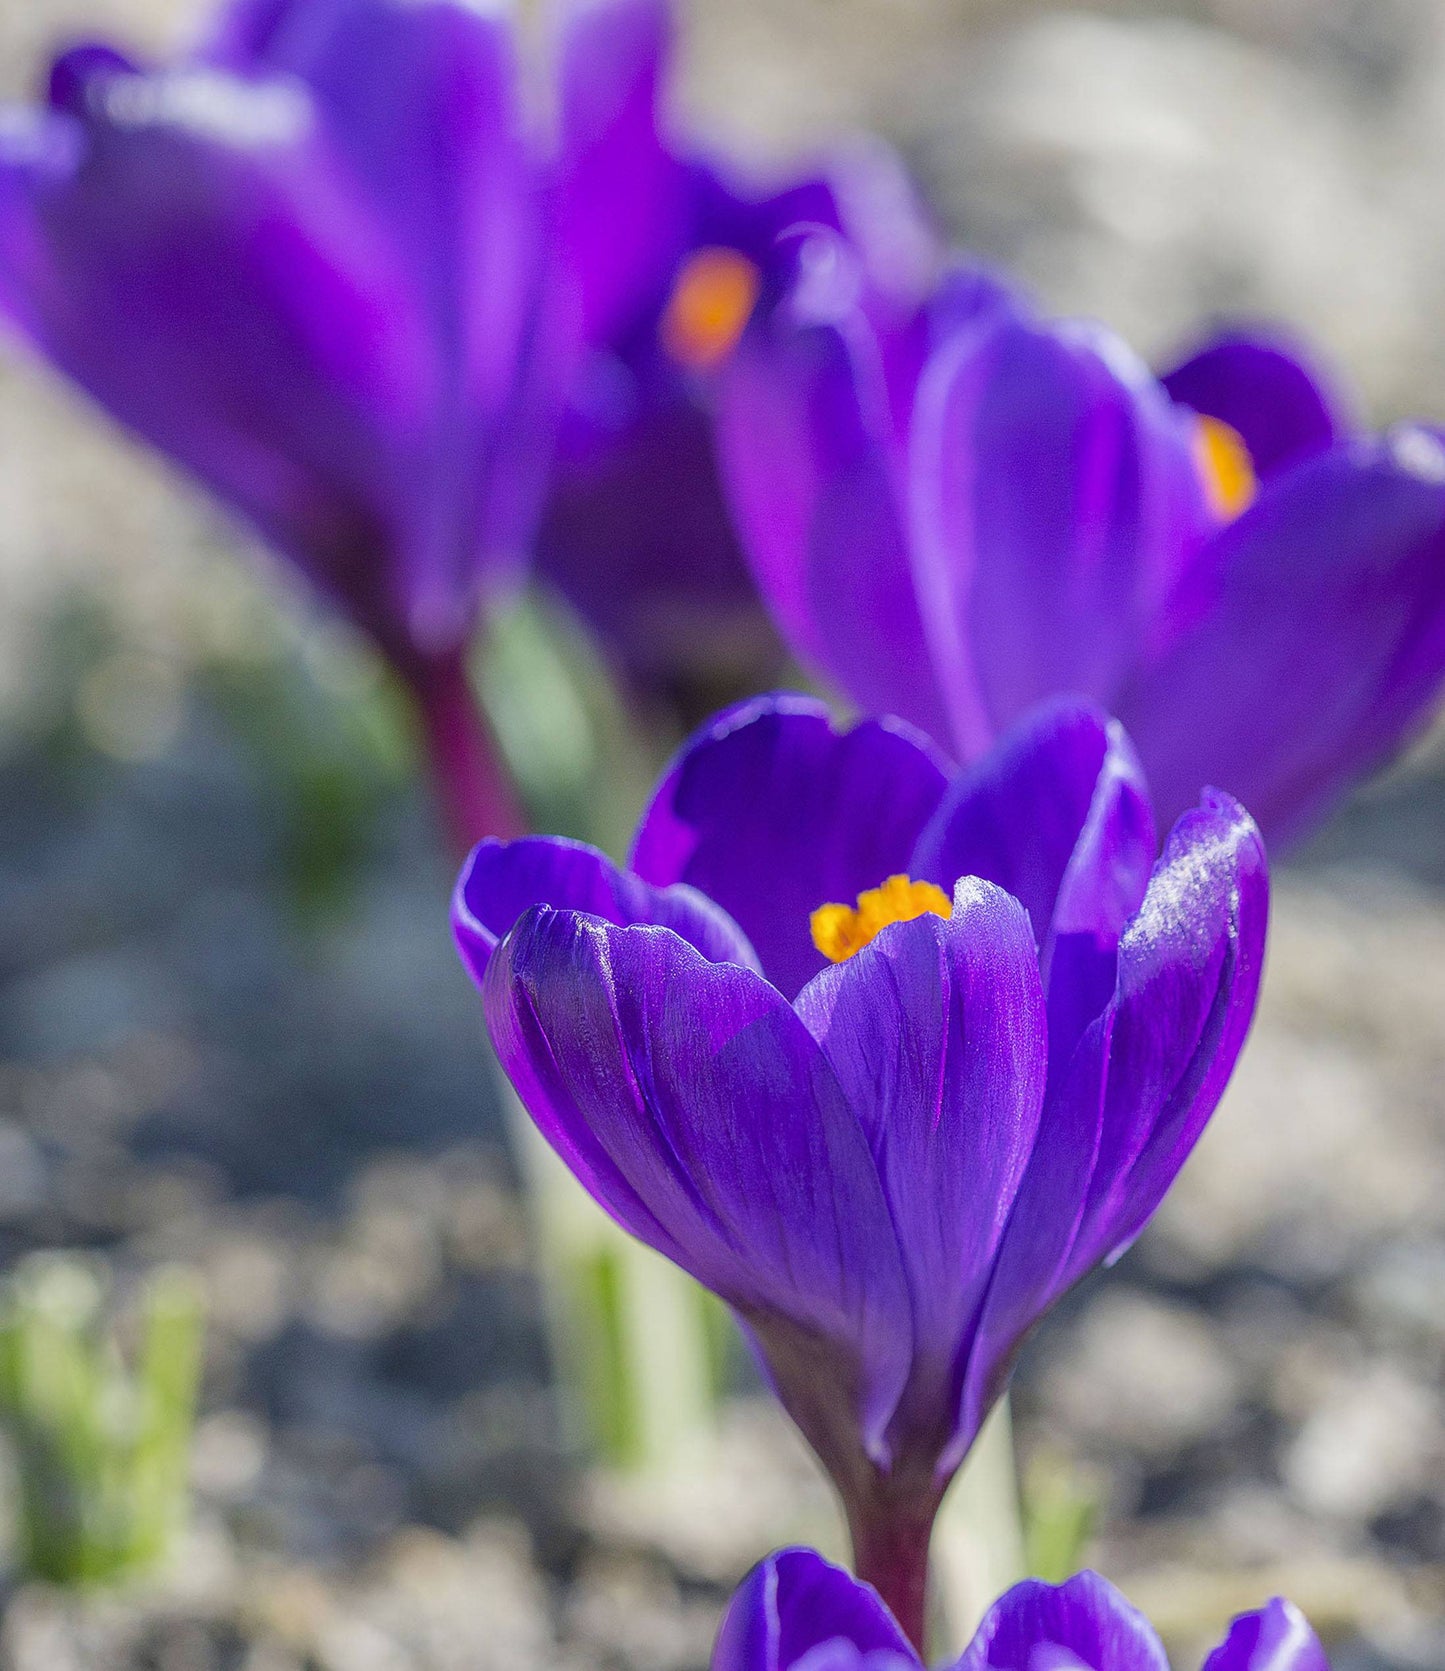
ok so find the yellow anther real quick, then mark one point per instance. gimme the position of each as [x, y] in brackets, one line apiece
[1225, 466]
[841, 930]
[711, 303]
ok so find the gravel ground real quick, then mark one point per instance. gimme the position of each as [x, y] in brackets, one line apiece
[302, 1108]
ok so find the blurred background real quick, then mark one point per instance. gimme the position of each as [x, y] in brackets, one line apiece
[233, 1032]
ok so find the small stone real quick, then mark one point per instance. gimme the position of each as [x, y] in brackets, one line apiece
[1140, 1372]
[227, 1454]
[1373, 1437]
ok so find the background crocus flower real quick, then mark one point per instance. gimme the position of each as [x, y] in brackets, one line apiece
[309, 263]
[795, 1610]
[665, 253]
[889, 1165]
[958, 514]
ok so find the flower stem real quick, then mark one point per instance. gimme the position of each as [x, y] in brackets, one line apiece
[891, 1531]
[474, 791]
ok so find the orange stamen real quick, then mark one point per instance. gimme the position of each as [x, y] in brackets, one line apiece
[1225, 466]
[841, 930]
[712, 300]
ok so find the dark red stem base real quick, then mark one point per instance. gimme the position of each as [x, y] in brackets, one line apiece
[474, 791]
[891, 1533]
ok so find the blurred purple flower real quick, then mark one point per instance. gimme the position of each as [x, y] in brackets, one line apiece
[958, 512]
[667, 255]
[306, 264]
[889, 1164]
[310, 263]
[795, 1610]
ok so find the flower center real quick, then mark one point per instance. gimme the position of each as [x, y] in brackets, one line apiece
[841, 930]
[1225, 465]
[711, 302]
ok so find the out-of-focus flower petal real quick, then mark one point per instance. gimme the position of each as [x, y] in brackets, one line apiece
[502, 879]
[74, 71]
[772, 812]
[239, 34]
[814, 410]
[1264, 387]
[191, 253]
[626, 207]
[859, 192]
[1083, 1624]
[421, 98]
[794, 1604]
[1276, 1638]
[937, 1034]
[695, 1106]
[1054, 497]
[40, 151]
[1308, 644]
[311, 265]
[636, 539]
[813, 468]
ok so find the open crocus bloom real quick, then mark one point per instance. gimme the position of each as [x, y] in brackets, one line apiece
[796, 1611]
[960, 512]
[889, 1165]
[667, 253]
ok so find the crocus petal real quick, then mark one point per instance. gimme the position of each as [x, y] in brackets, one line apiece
[1054, 495]
[78, 68]
[625, 210]
[311, 265]
[199, 263]
[1084, 1621]
[1059, 816]
[40, 151]
[691, 1101]
[421, 99]
[772, 812]
[1265, 389]
[967, 299]
[812, 465]
[1189, 970]
[813, 414]
[795, 1603]
[1276, 1638]
[1122, 1116]
[794, 1610]
[636, 537]
[1310, 640]
[860, 195]
[240, 34]
[501, 879]
[937, 1034]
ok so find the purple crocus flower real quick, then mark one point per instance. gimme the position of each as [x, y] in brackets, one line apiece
[667, 254]
[796, 1612]
[960, 513]
[311, 264]
[887, 1060]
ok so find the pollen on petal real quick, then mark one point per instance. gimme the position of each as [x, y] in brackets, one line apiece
[1225, 466]
[712, 300]
[841, 930]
